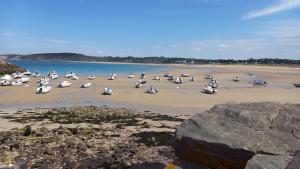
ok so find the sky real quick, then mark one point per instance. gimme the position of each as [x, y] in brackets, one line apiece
[208, 29]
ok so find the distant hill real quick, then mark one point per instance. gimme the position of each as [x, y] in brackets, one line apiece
[131, 59]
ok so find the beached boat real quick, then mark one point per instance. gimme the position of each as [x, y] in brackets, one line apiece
[44, 81]
[36, 74]
[214, 84]
[143, 76]
[208, 76]
[156, 78]
[171, 78]
[91, 77]
[185, 75]
[178, 80]
[112, 76]
[142, 81]
[209, 90]
[5, 82]
[64, 84]
[70, 74]
[86, 85]
[297, 84]
[6, 77]
[17, 82]
[26, 73]
[138, 85]
[75, 77]
[151, 90]
[43, 89]
[259, 82]
[17, 75]
[107, 91]
[53, 75]
[236, 79]
[131, 75]
[167, 75]
[25, 79]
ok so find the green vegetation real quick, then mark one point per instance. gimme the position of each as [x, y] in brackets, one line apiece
[154, 59]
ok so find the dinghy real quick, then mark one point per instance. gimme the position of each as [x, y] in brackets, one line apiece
[138, 85]
[185, 75]
[131, 75]
[44, 81]
[91, 77]
[43, 89]
[86, 85]
[64, 84]
[107, 91]
[26, 73]
[75, 77]
[70, 74]
[53, 75]
[167, 75]
[36, 74]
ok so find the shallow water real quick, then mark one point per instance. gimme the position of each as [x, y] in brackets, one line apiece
[87, 68]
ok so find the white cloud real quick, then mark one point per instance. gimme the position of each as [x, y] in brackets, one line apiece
[281, 5]
[173, 46]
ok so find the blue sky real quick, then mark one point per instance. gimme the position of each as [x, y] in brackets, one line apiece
[174, 28]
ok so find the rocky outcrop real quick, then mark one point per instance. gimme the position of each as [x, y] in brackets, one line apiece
[247, 135]
[8, 68]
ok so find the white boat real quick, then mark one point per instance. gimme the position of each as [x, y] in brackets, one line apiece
[91, 77]
[151, 90]
[75, 77]
[112, 76]
[5, 82]
[209, 90]
[64, 84]
[25, 79]
[107, 91]
[236, 79]
[131, 76]
[27, 73]
[17, 82]
[17, 75]
[167, 75]
[214, 84]
[44, 81]
[178, 80]
[171, 78]
[142, 81]
[156, 78]
[53, 75]
[185, 75]
[138, 85]
[70, 74]
[43, 89]
[36, 74]
[6, 77]
[86, 85]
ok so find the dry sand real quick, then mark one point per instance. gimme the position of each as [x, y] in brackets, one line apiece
[184, 99]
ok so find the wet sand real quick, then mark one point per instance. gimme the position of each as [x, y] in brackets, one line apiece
[173, 99]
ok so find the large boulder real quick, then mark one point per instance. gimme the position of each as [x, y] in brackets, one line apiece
[247, 135]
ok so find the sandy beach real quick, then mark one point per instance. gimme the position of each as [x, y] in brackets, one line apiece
[172, 98]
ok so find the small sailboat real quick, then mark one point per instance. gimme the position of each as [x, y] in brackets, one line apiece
[107, 91]
[64, 84]
[86, 85]
[91, 77]
[43, 89]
